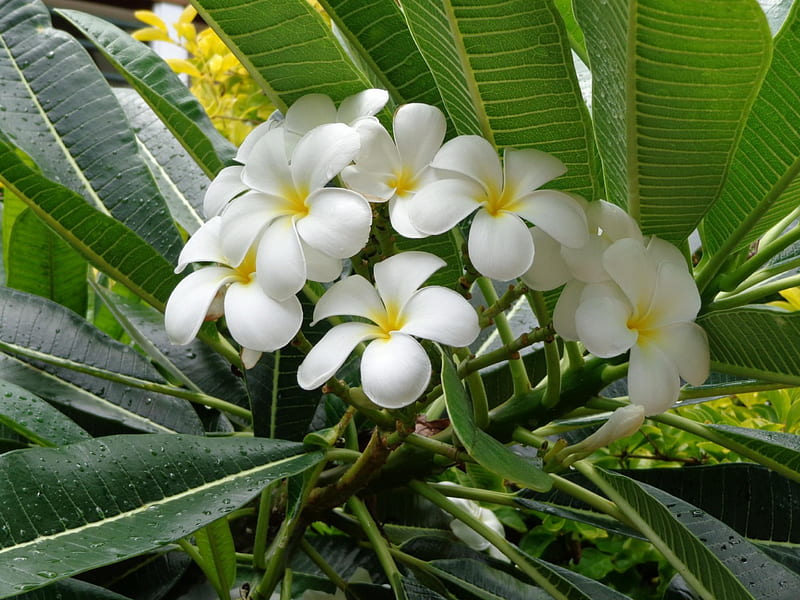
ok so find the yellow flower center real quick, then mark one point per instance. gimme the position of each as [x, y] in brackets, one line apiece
[388, 320]
[403, 182]
[296, 201]
[643, 325]
[247, 268]
[500, 200]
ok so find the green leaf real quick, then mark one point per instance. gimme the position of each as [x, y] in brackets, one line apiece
[672, 81]
[574, 32]
[379, 31]
[504, 70]
[778, 451]
[481, 446]
[160, 87]
[481, 581]
[30, 322]
[181, 181]
[215, 543]
[71, 589]
[762, 185]
[763, 356]
[39, 262]
[52, 97]
[105, 243]
[704, 571]
[35, 419]
[286, 47]
[67, 510]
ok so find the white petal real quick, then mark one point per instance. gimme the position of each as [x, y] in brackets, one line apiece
[399, 276]
[418, 131]
[322, 153]
[601, 323]
[249, 357]
[557, 213]
[548, 270]
[394, 371]
[567, 305]
[280, 264]
[320, 266]
[223, 188]
[371, 184]
[661, 251]
[653, 380]
[257, 321]
[244, 220]
[500, 246]
[469, 536]
[250, 141]
[675, 299]
[338, 222]
[615, 223]
[189, 302]
[586, 263]
[400, 219]
[473, 157]
[442, 315]
[309, 111]
[363, 104]
[203, 246]
[354, 296]
[686, 345]
[529, 169]
[267, 168]
[441, 205]
[325, 358]
[624, 421]
[628, 265]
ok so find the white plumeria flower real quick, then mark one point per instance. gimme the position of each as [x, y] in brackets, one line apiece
[303, 228]
[395, 370]
[623, 422]
[499, 244]
[648, 308]
[395, 170]
[468, 535]
[256, 321]
[306, 113]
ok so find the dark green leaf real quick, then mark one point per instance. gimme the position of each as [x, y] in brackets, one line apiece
[30, 322]
[52, 97]
[504, 70]
[35, 419]
[778, 451]
[105, 243]
[481, 446]
[479, 580]
[287, 47]
[39, 262]
[672, 81]
[762, 186]
[71, 589]
[764, 355]
[161, 88]
[67, 510]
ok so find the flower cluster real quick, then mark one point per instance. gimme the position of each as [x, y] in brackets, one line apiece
[276, 220]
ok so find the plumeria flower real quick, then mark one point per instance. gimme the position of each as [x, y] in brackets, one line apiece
[468, 535]
[648, 308]
[395, 170]
[303, 229]
[395, 369]
[623, 422]
[256, 321]
[499, 244]
[307, 112]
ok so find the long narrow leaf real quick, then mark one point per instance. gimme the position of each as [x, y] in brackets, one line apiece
[672, 82]
[67, 510]
[505, 71]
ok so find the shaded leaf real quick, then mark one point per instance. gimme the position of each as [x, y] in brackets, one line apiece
[778, 451]
[51, 96]
[671, 84]
[160, 487]
[71, 589]
[160, 87]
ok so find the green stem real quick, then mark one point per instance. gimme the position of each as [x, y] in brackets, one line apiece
[380, 545]
[478, 495]
[503, 303]
[506, 351]
[753, 294]
[776, 230]
[477, 392]
[494, 538]
[323, 565]
[150, 386]
[344, 455]
[286, 586]
[518, 373]
[574, 355]
[262, 528]
[437, 447]
[551, 356]
[596, 501]
[208, 570]
[764, 254]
